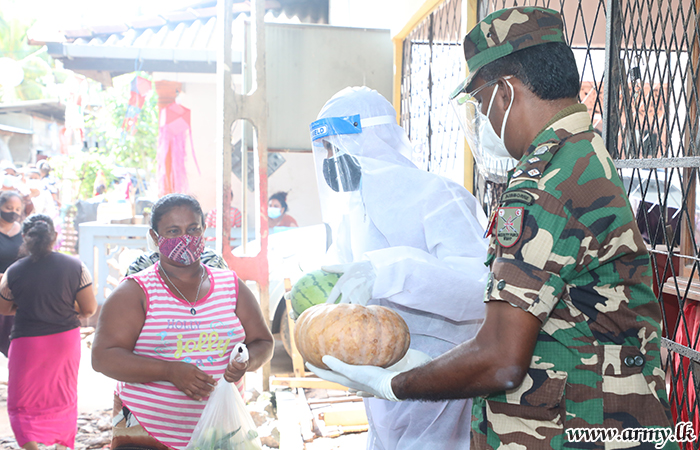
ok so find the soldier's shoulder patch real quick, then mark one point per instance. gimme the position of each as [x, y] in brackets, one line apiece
[544, 148]
[510, 225]
[517, 196]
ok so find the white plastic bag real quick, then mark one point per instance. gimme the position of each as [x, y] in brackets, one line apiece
[225, 423]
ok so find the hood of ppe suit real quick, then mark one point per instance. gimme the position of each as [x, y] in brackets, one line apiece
[386, 142]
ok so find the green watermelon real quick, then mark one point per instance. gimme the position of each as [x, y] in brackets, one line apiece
[312, 289]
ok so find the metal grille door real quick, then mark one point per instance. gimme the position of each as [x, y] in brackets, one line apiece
[433, 65]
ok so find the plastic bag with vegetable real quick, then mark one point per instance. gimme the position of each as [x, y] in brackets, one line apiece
[225, 423]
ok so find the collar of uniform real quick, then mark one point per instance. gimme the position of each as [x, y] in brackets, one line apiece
[566, 112]
[572, 119]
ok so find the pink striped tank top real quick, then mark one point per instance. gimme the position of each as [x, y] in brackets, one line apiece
[172, 333]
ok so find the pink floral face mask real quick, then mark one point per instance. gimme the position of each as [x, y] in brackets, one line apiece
[185, 249]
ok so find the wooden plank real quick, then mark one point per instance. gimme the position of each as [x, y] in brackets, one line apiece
[297, 360]
[322, 401]
[308, 383]
[355, 429]
[693, 288]
[344, 418]
[336, 430]
[306, 419]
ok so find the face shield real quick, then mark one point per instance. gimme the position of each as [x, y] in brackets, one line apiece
[336, 148]
[491, 163]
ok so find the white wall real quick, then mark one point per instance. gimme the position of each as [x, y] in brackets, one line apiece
[391, 14]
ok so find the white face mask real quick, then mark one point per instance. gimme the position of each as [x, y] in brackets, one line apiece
[492, 159]
[490, 141]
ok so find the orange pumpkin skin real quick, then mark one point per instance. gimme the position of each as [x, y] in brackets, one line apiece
[355, 334]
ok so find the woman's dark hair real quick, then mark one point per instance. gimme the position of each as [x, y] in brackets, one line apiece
[170, 201]
[39, 235]
[548, 70]
[282, 198]
[6, 195]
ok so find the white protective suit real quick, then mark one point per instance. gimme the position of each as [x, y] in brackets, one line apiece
[423, 235]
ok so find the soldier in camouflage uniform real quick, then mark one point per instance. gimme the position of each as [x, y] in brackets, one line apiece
[572, 333]
[565, 248]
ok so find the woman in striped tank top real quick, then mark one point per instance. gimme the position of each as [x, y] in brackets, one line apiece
[166, 333]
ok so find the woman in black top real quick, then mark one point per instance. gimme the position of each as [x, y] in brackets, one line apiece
[11, 207]
[47, 292]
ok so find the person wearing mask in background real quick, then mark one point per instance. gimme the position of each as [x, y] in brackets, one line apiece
[235, 216]
[43, 200]
[48, 292]
[48, 182]
[163, 381]
[12, 182]
[406, 239]
[571, 337]
[11, 207]
[277, 212]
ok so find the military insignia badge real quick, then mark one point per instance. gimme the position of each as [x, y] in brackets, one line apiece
[542, 149]
[517, 173]
[517, 196]
[509, 225]
[533, 172]
[534, 160]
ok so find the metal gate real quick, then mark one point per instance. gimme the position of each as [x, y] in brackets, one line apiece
[432, 66]
[639, 63]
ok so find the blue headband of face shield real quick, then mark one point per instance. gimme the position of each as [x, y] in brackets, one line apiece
[330, 126]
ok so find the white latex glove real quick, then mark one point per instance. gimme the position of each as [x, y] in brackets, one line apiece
[371, 379]
[355, 284]
[411, 360]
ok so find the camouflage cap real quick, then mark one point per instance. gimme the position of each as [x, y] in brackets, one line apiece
[509, 30]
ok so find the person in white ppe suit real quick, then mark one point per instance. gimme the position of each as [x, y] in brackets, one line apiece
[406, 239]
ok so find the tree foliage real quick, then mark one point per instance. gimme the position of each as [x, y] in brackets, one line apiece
[114, 147]
[41, 77]
[104, 126]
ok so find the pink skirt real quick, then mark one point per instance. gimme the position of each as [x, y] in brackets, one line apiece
[42, 389]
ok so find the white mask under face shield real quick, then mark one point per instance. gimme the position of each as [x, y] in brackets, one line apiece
[340, 165]
[492, 159]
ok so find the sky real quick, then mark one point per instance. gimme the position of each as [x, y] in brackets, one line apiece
[75, 13]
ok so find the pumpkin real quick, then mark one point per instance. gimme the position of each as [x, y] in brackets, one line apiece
[355, 334]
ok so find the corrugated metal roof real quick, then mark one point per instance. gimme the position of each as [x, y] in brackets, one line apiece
[49, 109]
[178, 41]
[14, 130]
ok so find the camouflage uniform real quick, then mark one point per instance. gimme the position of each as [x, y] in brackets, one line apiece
[565, 247]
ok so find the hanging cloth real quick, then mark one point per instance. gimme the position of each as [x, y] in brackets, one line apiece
[170, 157]
[139, 88]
